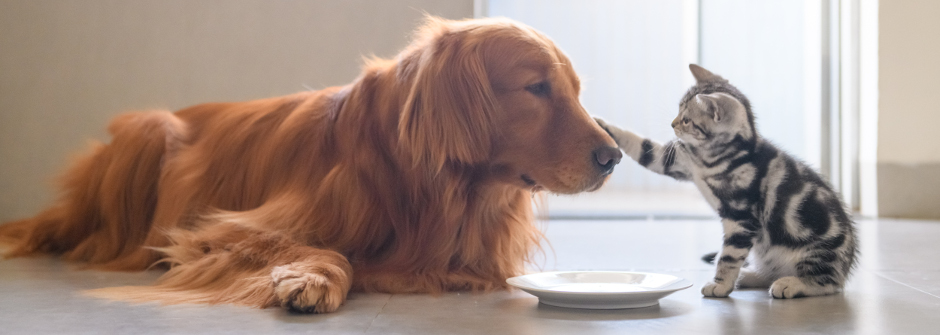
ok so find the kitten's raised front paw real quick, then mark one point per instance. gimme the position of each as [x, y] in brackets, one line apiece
[305, 292]
[713, 289]
[788, 288]
[603, 125]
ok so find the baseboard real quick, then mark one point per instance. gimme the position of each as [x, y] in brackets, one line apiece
[909, 190]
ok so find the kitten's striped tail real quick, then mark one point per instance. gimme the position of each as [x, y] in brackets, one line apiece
[710, 257]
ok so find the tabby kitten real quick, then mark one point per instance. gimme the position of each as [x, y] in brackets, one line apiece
[773, 207]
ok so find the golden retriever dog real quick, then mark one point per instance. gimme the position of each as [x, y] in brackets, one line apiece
[416, 177]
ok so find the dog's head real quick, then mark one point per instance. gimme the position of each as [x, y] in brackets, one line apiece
[498, 94]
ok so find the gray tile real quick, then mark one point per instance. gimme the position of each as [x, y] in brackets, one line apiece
[895, 291]
[890, 244]
[870, 305]
[42, 296]
[927, 281]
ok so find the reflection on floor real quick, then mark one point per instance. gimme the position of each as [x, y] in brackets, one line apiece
[896, 290]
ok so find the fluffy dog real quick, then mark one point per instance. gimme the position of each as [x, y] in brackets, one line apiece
[416, 177]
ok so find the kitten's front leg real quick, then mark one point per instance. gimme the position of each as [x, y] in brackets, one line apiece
[662, 159]
[737, 245]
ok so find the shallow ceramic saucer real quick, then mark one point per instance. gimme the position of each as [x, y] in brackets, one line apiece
[599, 289]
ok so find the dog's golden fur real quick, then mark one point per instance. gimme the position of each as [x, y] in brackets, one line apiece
[417, 177]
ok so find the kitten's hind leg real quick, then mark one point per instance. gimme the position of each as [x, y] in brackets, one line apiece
[750, 278]
[815, 276]
[794, 287]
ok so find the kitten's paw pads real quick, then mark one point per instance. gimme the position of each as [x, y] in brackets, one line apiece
[716, 290]
[305, 292]
[788, 288]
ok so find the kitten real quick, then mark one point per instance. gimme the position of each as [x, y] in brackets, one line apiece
[773, 207]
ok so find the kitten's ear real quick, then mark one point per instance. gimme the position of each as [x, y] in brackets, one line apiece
[703, 75]
[709, 103]
[720, 105]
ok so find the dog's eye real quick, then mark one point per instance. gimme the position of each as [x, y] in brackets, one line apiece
[540, 89]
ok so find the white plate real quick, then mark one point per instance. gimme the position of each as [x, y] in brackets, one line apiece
[599, 289]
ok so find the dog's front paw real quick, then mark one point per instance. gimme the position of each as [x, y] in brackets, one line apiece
[716, 290]
[788, 288]
[306, 292]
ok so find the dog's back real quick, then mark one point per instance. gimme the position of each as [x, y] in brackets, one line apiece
[161, 169]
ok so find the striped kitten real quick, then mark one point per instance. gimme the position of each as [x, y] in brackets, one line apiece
[772, 206]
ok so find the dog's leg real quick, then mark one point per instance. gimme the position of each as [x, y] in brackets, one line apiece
[234, 264]
[108, 198]
[316, 284]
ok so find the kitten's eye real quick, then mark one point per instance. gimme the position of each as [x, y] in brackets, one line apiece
[540, 89]
[685, 121]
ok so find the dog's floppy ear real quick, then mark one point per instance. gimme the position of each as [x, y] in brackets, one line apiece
[448, 113]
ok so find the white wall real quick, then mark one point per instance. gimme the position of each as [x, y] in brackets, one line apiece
[630, 57]
[67, 67]
[759, 47]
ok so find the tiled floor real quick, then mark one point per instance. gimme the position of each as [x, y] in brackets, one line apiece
[896, 290]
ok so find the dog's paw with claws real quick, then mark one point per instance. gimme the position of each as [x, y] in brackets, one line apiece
[305, 292]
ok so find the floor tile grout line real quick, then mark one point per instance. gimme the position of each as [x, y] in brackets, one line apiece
[905, 284]
[377, 314]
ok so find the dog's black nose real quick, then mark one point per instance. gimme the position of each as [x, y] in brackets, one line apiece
[606, 158]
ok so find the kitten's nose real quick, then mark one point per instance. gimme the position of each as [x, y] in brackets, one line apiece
[606, 158]
[675, 123]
